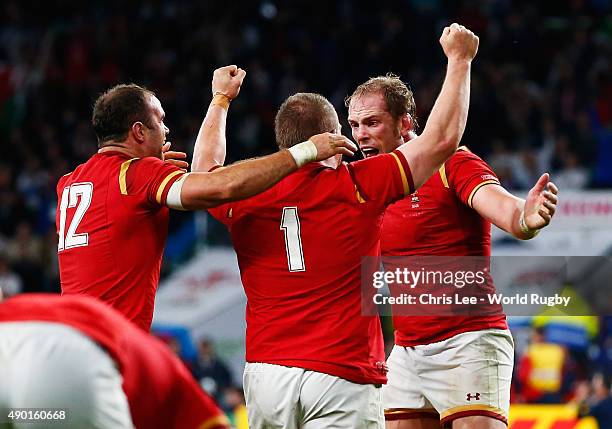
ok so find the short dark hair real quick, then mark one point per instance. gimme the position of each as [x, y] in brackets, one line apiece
[117, 109]
[302, 116]
[398, 96]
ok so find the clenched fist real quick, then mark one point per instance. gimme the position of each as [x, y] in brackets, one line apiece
[227, 81]
[459, 43]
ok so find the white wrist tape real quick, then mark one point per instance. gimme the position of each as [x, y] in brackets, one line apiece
[303, 153]
[173, 200]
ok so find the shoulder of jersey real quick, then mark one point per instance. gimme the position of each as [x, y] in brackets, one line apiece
[462, 152]
[68, 174]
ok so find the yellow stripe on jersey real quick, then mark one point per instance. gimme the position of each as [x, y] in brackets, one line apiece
[403, 174]
[443, 176]
[160, 190]
[358, 195]
[122, 173]
[215, 421]
[486, 182]
[479, 407]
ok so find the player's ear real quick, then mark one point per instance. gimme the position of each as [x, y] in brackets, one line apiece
[138, 130]
[406, 125]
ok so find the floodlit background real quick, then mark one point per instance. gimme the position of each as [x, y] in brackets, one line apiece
[541, 101]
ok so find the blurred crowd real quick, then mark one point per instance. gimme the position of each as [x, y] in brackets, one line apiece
[553, 368]
[212, 373]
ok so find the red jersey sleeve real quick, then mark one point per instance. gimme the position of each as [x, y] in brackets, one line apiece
[149, 177]
[60, 183]
[466, 173]
[385, 178]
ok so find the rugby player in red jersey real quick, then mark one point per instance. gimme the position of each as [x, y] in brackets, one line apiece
[445, 370]
[112, 212]
[76, 354]
[313, 359]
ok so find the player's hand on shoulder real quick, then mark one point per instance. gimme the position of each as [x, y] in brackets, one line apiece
[459, 43]
[330, 144]
[227, 81]
[174, 157]
[541, 203]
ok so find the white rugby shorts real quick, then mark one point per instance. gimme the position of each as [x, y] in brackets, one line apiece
[465, 375]
[292, 398]
[52, 366]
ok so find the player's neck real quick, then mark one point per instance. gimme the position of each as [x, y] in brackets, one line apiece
[117, 147]
[332, 162]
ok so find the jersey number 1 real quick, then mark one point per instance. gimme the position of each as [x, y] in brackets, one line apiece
[290, 224]
[70, 197]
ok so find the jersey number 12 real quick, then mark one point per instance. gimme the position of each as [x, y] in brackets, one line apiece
[70, 198]
[290, 224]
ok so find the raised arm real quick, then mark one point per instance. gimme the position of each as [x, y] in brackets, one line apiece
[209, 149]
[521, 218]
[444, 128]
[199, 190]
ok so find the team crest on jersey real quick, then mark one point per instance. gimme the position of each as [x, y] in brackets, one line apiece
[475, 396]
[415, 200]
[382, 367]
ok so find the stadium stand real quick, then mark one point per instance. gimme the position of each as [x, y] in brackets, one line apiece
[541, 101]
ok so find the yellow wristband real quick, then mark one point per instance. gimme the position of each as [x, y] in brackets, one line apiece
[220, 99]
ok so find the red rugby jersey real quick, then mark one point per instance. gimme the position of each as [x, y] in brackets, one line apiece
[112, 226]
[299, 248]
[160, 390]
[438, 219]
